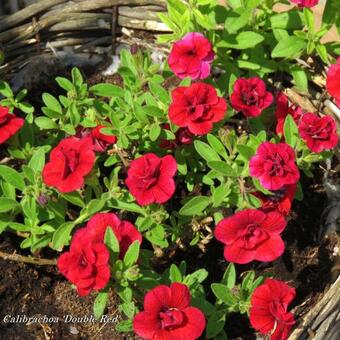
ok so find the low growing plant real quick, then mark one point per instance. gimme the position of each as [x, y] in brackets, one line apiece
[109, 175]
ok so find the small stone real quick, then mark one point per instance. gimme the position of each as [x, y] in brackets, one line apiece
[74, 330]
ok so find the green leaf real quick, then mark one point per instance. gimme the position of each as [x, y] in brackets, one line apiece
[124, 326]
[288, 20]
[52, 103]
[245, 151]
[218, 146]
[111, 240]
[45, 123]
[235, 3]
[248, 281]
[175, 274]
[330, 13]
[6, 90]
[74, 198]
[291, 131]
[121, 205]
[94, 206]
[12, 177]
[289, 47]
[3, 226]
[229, 276]
[157, 235]
[37, 161]
[223, 168]
[215, 324]
[309, 19]
[69, 129]
[195, 206]
[219, 194]
[62, 235]
[159, 92]
[107, 90]
[7, 204]
[322, 52]
[206, 307]
[100, 304]
[155, 131]
[206, 152]
[132, 254]
[27, 108]
[77, 78]
[254, 201]
[153, 111]
[235, 23]
[222, 292]
[65, 84]
[241, 41]
[129, 309]
[196, 278]
[300, 77]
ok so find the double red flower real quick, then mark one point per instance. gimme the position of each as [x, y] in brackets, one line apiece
[319, 133]
[70, 161]
[191, 56]
[250, 235]
[126, 233]
[150, 178]
[86, 264]
[183, 137]
[280, 200]
[196, 107]
[9, 124]
[268, 312]
[274, 165]
[305, 3]
[168, 315]
[283, 108]
[100, 141]
[250, 96]
[333, 81]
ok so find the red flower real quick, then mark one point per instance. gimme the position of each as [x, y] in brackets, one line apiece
[125, 232]
[305, 3]
[100, 140]
[150, 178]
[250, 96]
[280, 201]
[333, 81]
[196, 107]
[86, 264]
[283, 109]
[274, 165]
[250, 235]
[183, 137]
[191, 56]
[70, 161]
[268, 312]
[168, 315]
[318, 133]
[9, 124]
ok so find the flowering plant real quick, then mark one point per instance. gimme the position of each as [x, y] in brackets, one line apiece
[205, 146]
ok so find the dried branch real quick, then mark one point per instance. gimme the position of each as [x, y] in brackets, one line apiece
[320, 320]
[27, 13]
[27, 259]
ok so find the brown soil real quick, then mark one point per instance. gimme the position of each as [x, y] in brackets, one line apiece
[38, 291]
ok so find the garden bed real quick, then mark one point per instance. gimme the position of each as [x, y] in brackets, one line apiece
[42, 220]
